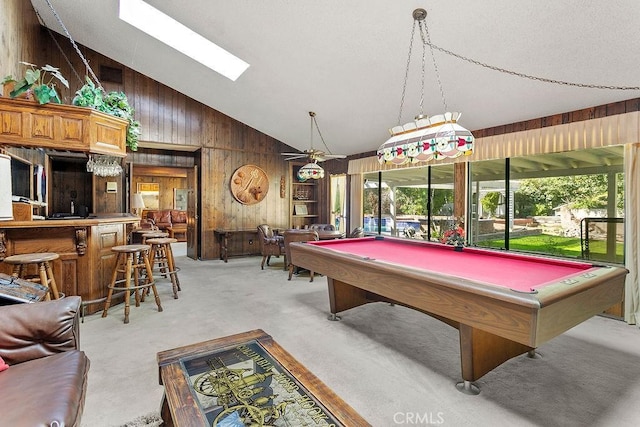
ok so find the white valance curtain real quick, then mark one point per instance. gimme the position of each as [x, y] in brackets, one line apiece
[621, 129]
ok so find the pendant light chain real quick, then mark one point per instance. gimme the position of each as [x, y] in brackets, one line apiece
[406, 74]
[528, 76]
[423, 74]
[426, 41]
[73, 43]
[64, 55]
[314, 121]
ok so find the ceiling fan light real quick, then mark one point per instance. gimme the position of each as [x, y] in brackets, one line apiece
[310, 171]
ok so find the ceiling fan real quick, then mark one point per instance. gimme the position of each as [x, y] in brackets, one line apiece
[312, 154]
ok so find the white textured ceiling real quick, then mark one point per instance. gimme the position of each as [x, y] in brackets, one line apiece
[346, 60]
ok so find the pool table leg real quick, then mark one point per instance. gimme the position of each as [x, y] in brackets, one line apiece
[343, 296]
[467, 387]
[481, 352]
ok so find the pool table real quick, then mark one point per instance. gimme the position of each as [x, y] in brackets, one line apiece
[503, 304]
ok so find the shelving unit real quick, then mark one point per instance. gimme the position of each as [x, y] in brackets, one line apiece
[303, 199]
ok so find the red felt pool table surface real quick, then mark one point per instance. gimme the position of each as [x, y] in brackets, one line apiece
[519, 272]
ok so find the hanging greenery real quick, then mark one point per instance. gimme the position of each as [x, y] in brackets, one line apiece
[114, 103]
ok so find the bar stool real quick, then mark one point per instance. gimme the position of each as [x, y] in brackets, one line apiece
[45, 273]
[153, 235]
[131, 258]
[162, 255]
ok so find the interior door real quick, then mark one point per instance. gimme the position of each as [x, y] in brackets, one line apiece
[192, 213]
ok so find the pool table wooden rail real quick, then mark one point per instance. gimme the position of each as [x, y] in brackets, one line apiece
[495, 323]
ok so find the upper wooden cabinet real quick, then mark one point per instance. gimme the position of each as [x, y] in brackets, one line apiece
[61, 127]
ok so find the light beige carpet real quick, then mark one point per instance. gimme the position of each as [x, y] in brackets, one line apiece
[148, 420]
[393, 365]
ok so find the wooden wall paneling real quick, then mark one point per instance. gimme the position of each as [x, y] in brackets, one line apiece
[194, 123]
[154, 110]
[108, 202]
[210, 176]
[20, 36]
[177, 136]
[143, 107]
[164, 113]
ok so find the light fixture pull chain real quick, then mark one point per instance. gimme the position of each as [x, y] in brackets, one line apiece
[424, 51]
[406, 74]
[426, 40]
[313, 118]
[319, 133]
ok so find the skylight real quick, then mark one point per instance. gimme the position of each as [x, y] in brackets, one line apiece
[172, 33]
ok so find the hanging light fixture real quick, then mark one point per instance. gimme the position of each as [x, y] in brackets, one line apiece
[311, 170]
[425, 138]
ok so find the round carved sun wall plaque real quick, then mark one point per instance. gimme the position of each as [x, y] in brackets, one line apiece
[249, 184]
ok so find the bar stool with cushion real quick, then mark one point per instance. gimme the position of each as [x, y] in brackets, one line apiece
[162, 255]
[131, 258]
[45, 272]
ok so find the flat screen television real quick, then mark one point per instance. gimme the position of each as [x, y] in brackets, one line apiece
[21, 178]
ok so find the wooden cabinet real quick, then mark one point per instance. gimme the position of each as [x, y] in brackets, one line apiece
[61, 127]
[303, 199]
[86, 261]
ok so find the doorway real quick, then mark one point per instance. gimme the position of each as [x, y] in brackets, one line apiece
[176, 186]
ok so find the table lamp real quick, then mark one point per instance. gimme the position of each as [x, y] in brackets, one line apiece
[137, 203]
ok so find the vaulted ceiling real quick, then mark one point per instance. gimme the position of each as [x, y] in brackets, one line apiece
[346, 60]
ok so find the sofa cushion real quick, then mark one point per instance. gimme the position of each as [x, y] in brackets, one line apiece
[31, 331]
[49, 391]
[178, 217]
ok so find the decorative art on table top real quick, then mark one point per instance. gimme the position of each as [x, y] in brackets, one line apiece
[249, 184]
[245, 386]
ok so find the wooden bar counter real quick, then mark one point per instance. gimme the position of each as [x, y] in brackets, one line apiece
[84, 245]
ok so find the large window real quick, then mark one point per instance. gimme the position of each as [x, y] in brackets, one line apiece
[488, 191]
[565, 204]
[414, 203]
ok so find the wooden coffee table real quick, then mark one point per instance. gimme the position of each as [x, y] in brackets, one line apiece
[248, 379]
[14, 290]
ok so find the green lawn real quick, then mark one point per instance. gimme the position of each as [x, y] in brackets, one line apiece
[556, 245]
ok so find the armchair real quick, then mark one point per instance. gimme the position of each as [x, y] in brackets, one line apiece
[270, 244]
[46, 381]
[291, 236]
[357, 232]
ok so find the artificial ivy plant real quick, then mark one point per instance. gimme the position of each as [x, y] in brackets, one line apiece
[114, 103]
